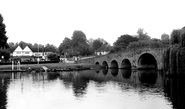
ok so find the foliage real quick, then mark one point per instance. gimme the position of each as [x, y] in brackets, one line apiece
[78, 38]
[142, 35]
[65, 46]
[35, 47]
[77, 45]
[123, 41]
[5, 53]
[97, 43]
[3, 37]
[175, 37]
[53, 57]
[50, 48]
[165, 37]
[151, 44]
[182, 37]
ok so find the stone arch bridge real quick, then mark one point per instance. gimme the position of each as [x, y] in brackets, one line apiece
[145, 58]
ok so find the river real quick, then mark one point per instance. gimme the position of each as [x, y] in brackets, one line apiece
[90, 89]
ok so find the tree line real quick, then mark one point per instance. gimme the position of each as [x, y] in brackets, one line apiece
[78, 45]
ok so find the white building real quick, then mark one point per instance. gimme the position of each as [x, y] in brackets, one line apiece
[27, 52]
[22, 52]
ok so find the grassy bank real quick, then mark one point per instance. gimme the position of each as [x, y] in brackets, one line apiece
[50, 66]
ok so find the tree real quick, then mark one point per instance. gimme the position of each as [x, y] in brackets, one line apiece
[97, 43]
[175, 37]
[3, 37]
[165, 37]
[79, 43]
[78, 38]
[65, 46]
[123, 41]
[142, 35]
[53, 57]
[50, 48]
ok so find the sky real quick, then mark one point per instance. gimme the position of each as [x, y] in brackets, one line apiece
[50, 21]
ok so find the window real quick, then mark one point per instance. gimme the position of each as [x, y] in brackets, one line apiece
[18, 52]
[27, 52]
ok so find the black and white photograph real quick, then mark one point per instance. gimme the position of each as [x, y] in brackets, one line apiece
[92, 54]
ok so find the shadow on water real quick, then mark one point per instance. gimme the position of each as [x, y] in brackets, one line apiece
[147, 77]
[174, 89]
[105, 71]
[114, 72]
[53, 76]
[4, 81]
[126, 73]
[75, 80]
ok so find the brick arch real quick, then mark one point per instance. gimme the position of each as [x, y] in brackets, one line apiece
[147, 60]
[97, 63]
[114, 64]
[105, 64]
[126, 64]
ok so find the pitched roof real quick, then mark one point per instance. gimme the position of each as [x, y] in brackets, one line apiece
[27, 49]
[18, 49]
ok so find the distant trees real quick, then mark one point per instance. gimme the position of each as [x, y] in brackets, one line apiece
[142, 35]
[4, 53]
[3, 37]
[65, 46]
[53, 57]
[97, 43]
[34, 47]
[77, 45]
[123, 41]
[175, 37]
[165, 37]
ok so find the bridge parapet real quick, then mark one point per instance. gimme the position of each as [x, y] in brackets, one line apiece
[134, 58]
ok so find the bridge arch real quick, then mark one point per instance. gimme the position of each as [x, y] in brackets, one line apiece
[105, 64]
[97, 63]
[114, 64]
[147, 61]
[125, 64]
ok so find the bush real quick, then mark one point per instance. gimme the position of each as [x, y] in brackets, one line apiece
[5, 53]
[53, 57]
[150, 44]
[175, 37]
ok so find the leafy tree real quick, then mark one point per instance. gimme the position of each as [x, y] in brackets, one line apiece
[123, 41]
[53, 57]
[23, 44]
[5, 53]
[79, 43]
[78, 38]
[3, 37]
[65, 45]
[165, 37]
[175, 37]
[50, 48]
[97, 43]
[142, 35]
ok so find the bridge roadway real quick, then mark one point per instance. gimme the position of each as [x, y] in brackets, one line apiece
[145, 58]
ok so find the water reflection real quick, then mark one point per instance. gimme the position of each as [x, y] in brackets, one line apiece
[126, 73]
[174, 89]
[114, 72]
[147, 76]
[82, 89]
[4, 81]
[105, 71]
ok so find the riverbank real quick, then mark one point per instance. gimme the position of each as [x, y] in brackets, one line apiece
[48, 67]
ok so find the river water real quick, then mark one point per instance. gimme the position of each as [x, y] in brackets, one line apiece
[104, 89]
